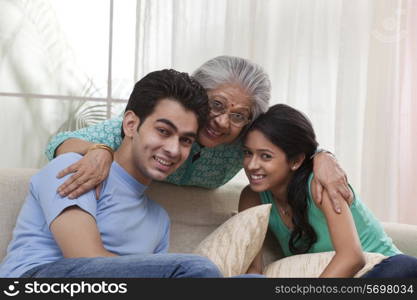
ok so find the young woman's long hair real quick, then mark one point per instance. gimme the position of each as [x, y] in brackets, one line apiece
[292, 132]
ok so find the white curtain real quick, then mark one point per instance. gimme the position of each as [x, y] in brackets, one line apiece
[350, 65]
[406, 116]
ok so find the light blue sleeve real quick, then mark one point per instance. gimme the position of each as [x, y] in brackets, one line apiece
[107, 132]
[44, 187]
[164, 244]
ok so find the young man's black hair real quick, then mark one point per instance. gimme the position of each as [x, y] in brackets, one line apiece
[168, 83]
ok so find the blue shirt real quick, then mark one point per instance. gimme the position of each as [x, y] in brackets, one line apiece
[129, 222]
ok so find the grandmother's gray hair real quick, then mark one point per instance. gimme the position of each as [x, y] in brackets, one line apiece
[236, 70]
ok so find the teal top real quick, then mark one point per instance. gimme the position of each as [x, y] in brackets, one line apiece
[212, 167]
[370, 232]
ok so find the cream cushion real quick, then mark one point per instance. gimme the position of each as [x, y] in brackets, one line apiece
[312, 265]
[234, 244]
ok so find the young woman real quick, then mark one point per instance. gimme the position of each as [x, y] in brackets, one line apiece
[277, 160]
[239, 92]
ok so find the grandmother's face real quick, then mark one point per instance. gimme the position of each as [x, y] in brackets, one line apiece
[230, 110]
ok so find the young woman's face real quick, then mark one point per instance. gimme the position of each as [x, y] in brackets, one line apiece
[265, 164]
[230, 107]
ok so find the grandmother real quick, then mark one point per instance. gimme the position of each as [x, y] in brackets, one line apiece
[239, 91]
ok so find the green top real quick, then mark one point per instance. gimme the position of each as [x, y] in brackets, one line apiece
[214, 167]
[370, 232]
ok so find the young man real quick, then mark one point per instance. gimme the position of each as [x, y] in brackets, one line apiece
[124, 233]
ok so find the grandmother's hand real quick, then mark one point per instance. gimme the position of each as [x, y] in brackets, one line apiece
[328, 175]
[89, 172]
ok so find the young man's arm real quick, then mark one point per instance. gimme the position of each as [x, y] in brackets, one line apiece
[76, 233]
[72, 222]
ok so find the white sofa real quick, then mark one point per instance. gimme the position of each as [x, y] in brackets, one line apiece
[194, 212]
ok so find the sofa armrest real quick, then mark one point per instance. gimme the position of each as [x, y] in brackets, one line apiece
[14, 186]
[404, 236]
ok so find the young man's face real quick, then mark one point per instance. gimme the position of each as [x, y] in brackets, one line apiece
[163, 141]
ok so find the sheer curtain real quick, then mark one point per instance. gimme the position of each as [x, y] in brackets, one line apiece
[348, 65]
[406, 117]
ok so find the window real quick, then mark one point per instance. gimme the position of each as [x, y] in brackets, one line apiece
[63, 64]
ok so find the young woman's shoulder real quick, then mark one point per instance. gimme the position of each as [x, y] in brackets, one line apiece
[248, 198]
